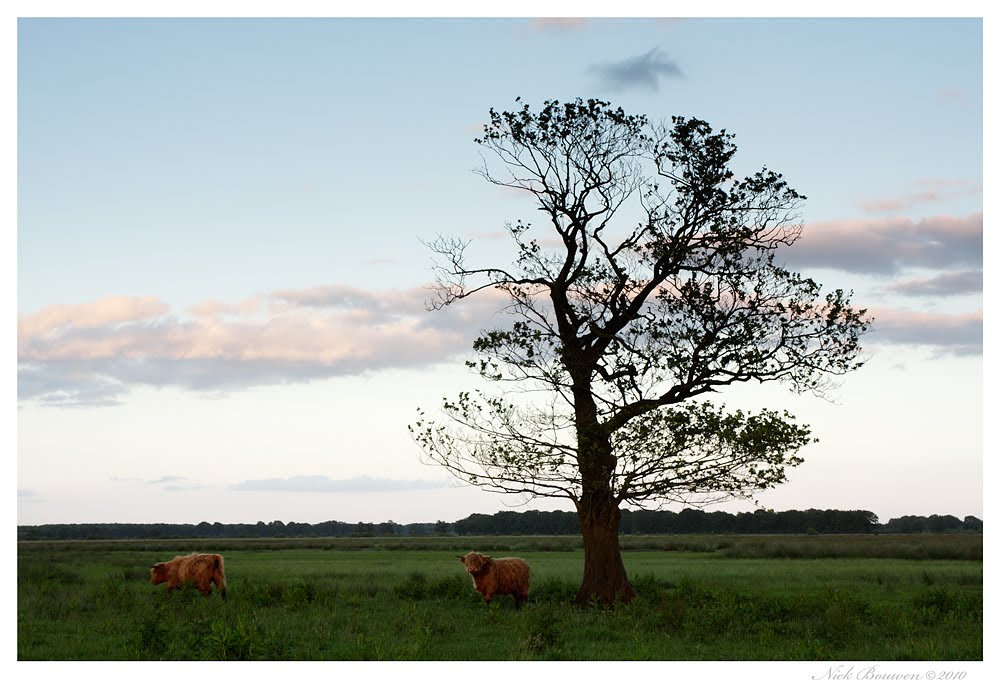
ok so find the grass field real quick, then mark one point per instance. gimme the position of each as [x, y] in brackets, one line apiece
[760, 598]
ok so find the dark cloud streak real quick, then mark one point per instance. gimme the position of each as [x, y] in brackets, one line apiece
[642, 71]
[954, 283]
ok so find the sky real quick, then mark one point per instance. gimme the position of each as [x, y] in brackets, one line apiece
[221, 274]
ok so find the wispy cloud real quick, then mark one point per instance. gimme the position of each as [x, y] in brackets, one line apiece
[642, 71]
[952, 283]
[925, 191]
[887, 246]
[175, 483]
[68, 385]
[325, 484]
[172, 483]
[954, 334]
[898, 203]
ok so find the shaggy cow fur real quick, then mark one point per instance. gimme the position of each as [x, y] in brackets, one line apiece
[200, 569]
[507, 576]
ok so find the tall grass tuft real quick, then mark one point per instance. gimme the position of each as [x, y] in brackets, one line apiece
[226, 642]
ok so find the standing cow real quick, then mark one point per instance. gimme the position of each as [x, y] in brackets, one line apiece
[506, 576]
[200, 569]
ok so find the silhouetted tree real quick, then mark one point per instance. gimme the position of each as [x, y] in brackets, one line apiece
[364, 530]
[386, 528]
[971, 523]
[653, 284]
[940, 524]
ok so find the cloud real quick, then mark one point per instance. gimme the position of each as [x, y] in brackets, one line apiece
[102, 313]
[210, 309]
[887, 246]
[901, 202]
[82, 356]
[927, 191]
[93, 354]
[953, 283]
[325, 325]
[171, 483]
[643, 71]
[68, 385]
[956, 334]
[387, 302]
[324, 484]
[558, 23]
[29, 496]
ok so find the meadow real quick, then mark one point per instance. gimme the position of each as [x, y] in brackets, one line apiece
[763, 598]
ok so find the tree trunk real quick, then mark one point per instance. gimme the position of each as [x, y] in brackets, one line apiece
[604, 577]
[597, 510]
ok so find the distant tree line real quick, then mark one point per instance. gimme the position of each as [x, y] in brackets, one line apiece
[759, 522]
[762, 521]
[933, 524]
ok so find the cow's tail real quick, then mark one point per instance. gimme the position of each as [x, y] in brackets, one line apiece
[219, 576]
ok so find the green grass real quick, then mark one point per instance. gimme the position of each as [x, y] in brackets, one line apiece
[893, 546]
[94, 601]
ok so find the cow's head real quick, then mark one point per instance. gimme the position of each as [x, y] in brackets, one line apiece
[475, 562]
[158, 574]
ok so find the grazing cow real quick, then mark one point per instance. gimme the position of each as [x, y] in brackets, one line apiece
[507, 576]
[200, 569]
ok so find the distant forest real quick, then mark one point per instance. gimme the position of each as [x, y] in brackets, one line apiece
[810, 521]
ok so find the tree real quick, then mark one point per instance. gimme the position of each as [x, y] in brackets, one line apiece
[653, 284]
[972, 523]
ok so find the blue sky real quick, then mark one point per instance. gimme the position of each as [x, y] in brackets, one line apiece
[220, 279]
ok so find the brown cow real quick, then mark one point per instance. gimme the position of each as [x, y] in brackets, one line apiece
[200, 569]
[506, 576]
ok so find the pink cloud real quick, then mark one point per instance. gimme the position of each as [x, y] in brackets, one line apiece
[960, 333]
[896, 204]
[320, 325]
[90, 354]
[904, 318]
[104, 312]
[213, 309]
[931, 191]
[886, 246]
